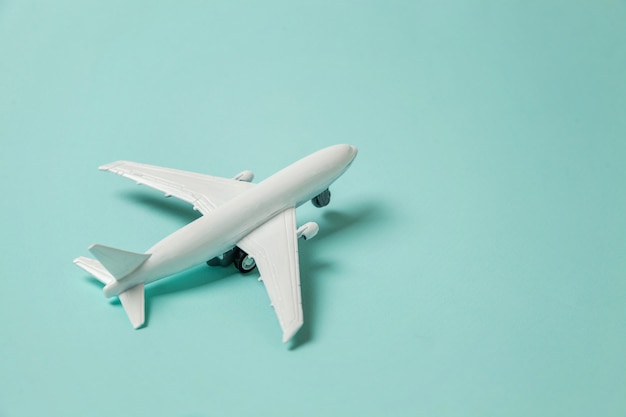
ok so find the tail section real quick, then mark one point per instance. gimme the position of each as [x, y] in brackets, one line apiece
[113, 265]
[117, 262]
[133, 302]
[95, 268]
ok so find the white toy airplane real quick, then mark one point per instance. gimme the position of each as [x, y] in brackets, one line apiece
[248, 224]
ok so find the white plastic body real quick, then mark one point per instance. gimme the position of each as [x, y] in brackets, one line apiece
[220, 230]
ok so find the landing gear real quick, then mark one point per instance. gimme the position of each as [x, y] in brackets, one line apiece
[243, 262]
[222, 260]
[322, 199]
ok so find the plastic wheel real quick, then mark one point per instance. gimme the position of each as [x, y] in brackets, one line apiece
[322, 199]
[243, 262]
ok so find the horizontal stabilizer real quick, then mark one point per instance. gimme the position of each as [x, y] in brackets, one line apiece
[118, 262]
[133, 302]
[95, 268]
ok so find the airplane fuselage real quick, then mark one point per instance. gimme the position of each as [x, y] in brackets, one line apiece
[219, 231]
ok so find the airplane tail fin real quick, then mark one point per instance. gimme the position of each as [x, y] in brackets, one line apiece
[117, 262]
[132, 299]
[113, 265]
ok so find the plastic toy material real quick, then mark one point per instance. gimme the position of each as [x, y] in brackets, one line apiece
[250, 225]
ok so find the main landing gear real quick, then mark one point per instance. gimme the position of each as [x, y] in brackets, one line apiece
[242, 261]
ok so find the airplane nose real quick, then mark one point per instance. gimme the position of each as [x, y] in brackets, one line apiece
[353, 151]
[344, 152]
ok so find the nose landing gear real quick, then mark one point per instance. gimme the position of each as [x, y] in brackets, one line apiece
[322, 199]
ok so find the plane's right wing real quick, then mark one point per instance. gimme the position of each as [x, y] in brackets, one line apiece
[274, 247]
[205, 192]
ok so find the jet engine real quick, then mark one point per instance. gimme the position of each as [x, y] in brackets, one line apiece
[245, 176]
[308, 230]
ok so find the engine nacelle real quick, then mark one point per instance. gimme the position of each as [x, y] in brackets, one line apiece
[245, 176]
[308, 230]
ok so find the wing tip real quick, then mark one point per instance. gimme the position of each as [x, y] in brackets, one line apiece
[110, 166]
[289, 333]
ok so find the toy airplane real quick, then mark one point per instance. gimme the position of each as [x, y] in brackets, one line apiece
[248, 224]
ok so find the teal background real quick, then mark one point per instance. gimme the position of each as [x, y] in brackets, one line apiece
[472, 261]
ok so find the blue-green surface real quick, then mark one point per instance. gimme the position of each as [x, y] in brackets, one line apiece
[472, 262]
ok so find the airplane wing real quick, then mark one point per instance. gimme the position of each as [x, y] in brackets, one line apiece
[205, 192]
[274, 247]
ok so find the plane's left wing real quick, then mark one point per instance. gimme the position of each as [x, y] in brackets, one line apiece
[274, 247]
[205, 192]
